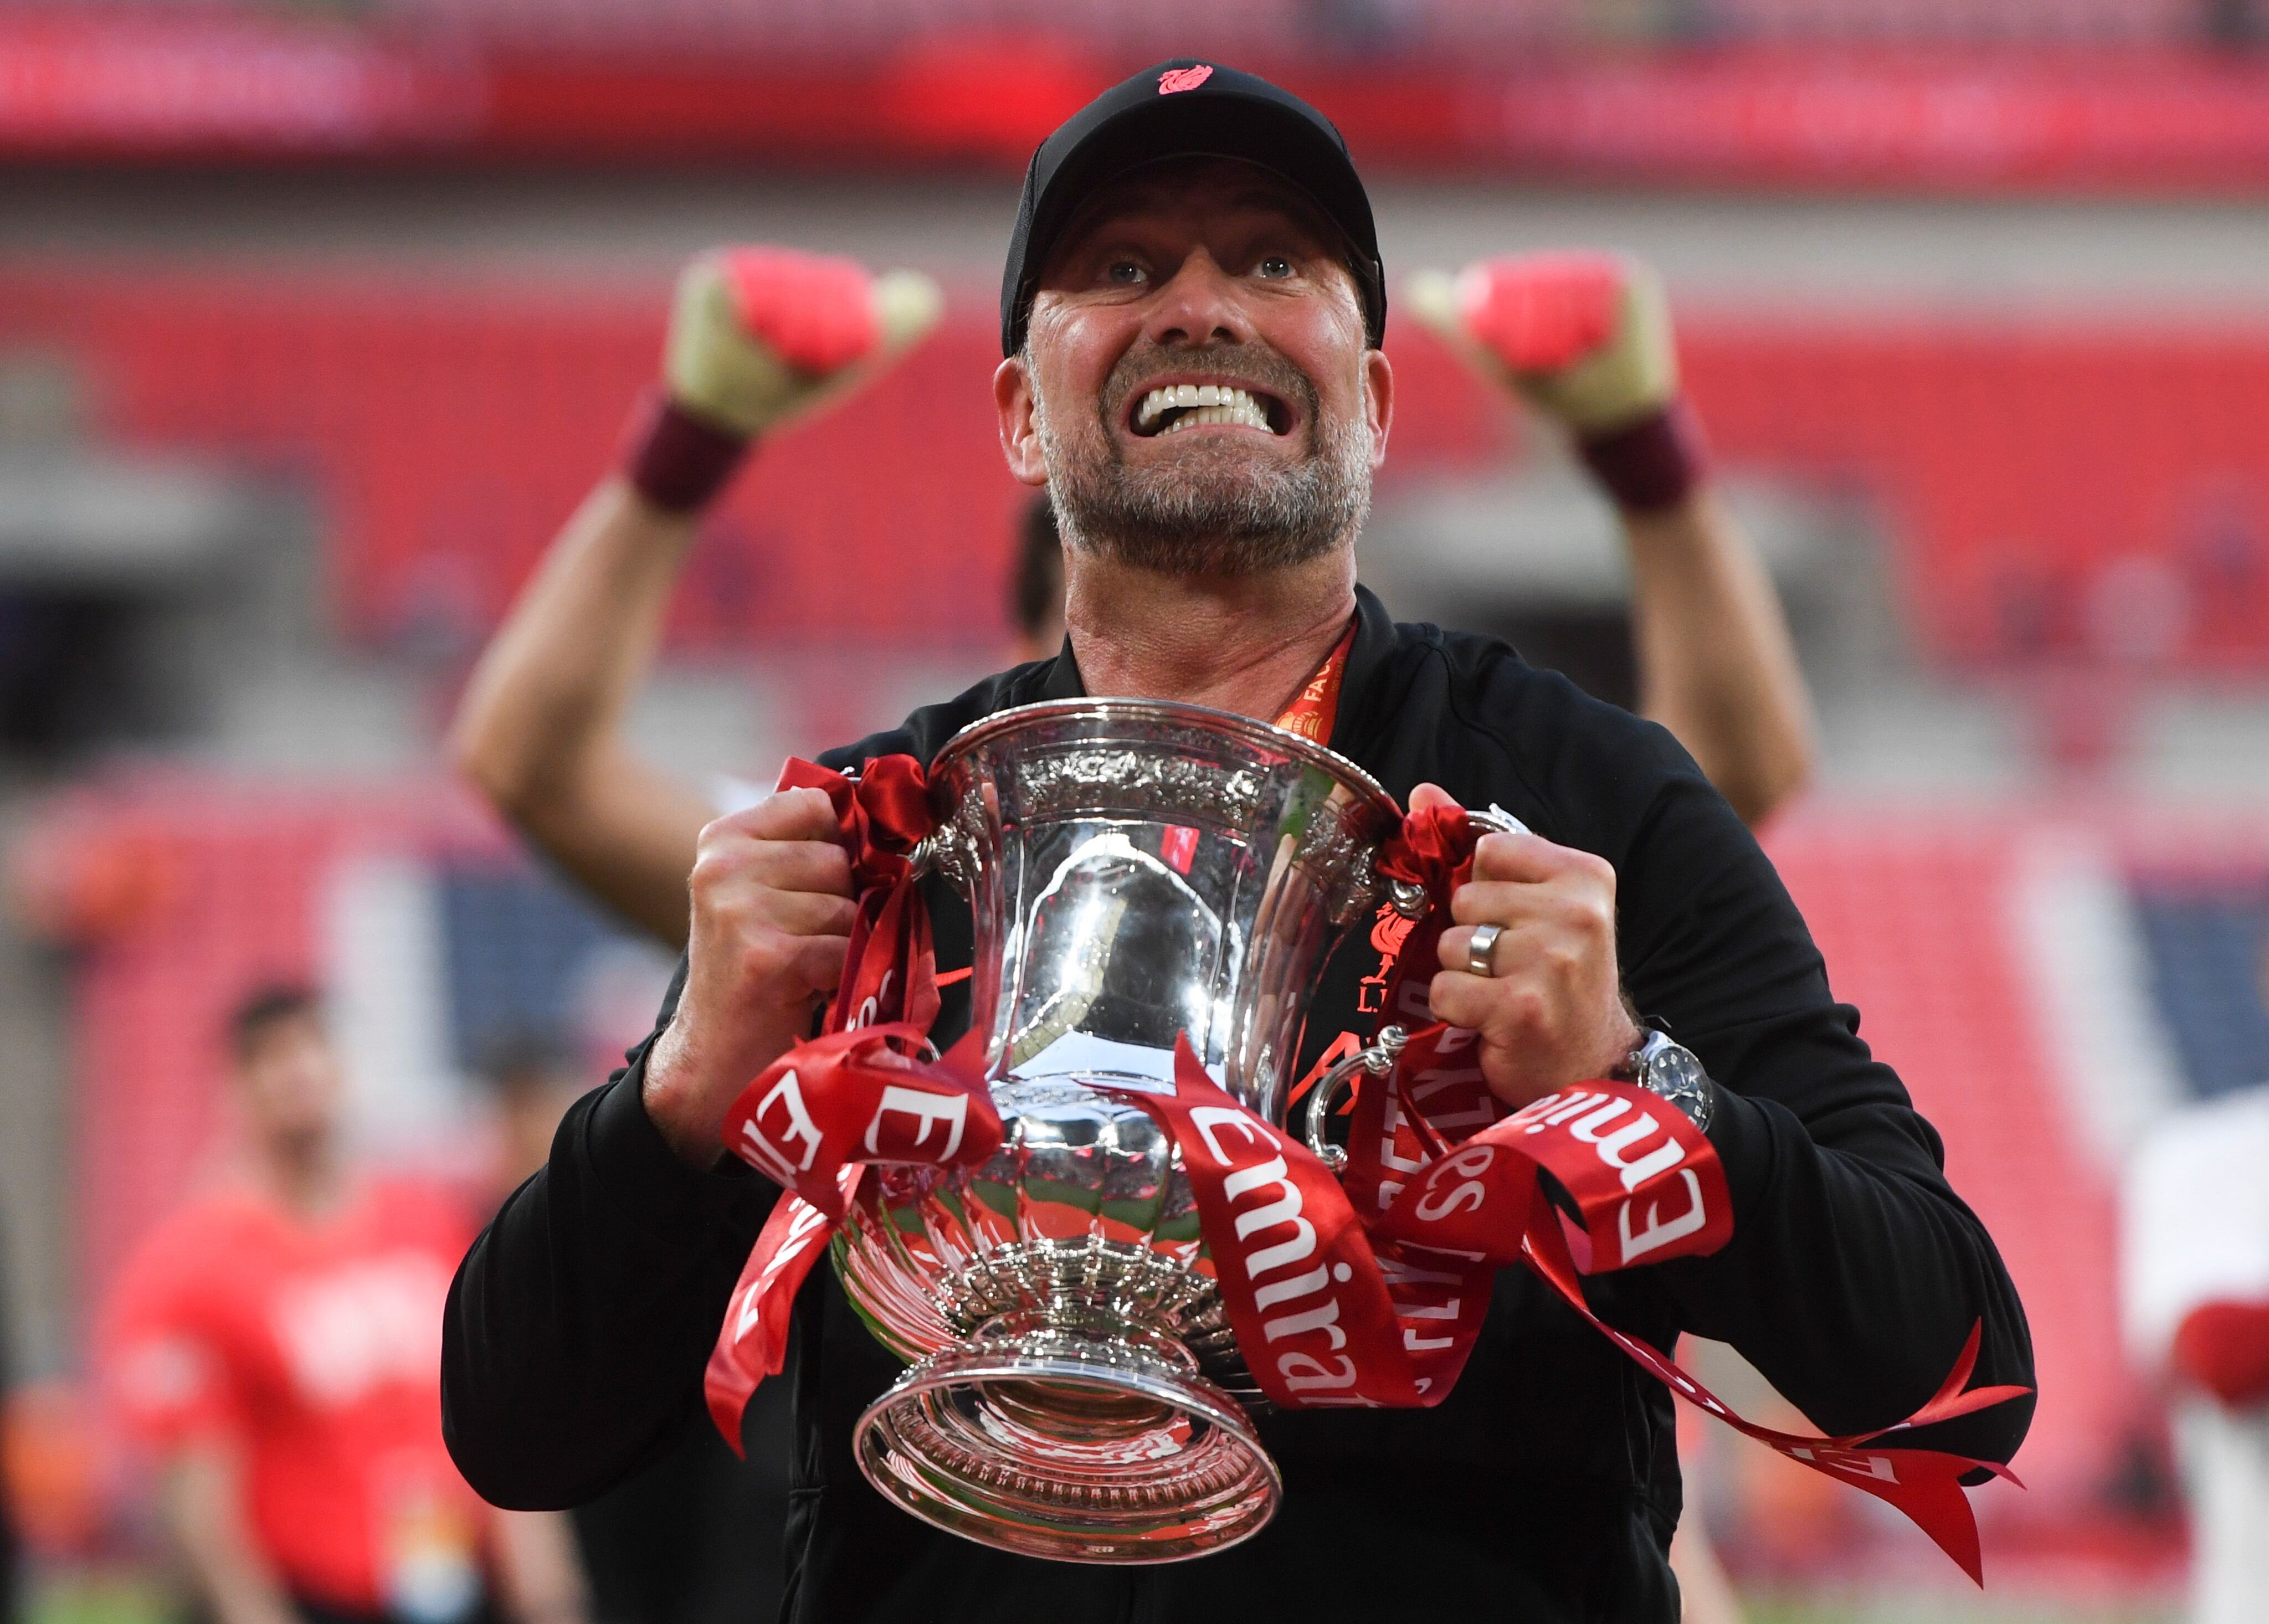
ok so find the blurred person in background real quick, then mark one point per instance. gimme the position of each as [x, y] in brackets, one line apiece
[694, 1539]
[1585, 338]
[276, 1346]
[540, 728]
[1035, 588]
[2194, 1275]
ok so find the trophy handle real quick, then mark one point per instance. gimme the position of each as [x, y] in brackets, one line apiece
[945, 852]
[1384, 1050]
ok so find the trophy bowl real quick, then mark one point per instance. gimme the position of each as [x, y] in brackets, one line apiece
[1140, 872]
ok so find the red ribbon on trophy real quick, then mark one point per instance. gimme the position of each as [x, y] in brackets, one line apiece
[1365, 1289]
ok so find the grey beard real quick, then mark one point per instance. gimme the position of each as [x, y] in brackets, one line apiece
[1219, 513]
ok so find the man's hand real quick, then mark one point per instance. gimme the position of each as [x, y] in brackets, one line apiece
[760, 337]
[1553, 1011]
[1585, 336]
[772, 926]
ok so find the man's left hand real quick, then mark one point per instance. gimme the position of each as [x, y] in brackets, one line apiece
[1552, 1012]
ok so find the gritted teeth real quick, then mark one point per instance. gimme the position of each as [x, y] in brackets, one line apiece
[1178, 405]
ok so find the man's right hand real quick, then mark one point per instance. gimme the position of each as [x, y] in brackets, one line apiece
[771, 927]
[759, 337]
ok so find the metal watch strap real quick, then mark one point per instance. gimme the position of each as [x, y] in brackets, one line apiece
[1662, 1066]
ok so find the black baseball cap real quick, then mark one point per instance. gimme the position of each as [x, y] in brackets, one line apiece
[1187, 108]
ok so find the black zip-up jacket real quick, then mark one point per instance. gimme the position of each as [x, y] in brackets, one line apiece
[1545, 1487]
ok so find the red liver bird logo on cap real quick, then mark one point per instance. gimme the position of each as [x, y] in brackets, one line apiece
[1183, 79]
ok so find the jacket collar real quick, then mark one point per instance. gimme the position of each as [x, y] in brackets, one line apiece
[1061, 679]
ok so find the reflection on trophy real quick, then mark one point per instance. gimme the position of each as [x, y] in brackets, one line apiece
[1139, 872]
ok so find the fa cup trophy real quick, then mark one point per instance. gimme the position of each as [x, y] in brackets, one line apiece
[1140, 873]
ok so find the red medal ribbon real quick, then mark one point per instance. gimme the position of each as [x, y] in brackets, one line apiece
[1317, 705]
[857, 1095]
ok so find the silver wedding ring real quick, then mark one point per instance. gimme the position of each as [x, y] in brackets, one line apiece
[1480, 952]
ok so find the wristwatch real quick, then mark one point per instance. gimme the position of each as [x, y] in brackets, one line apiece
[1671, 1069]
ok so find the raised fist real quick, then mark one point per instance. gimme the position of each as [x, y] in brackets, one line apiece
[759, 337]
[1586, 338]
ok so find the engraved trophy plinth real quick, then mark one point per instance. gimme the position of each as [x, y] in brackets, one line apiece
[1139, 872]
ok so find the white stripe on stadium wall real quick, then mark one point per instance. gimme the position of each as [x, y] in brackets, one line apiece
[384, 952]
[2089, 973]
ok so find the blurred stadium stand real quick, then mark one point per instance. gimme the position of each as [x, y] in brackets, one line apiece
[2124, 93]
[439, 946]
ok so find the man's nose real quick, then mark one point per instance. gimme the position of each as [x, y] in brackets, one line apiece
[1198, 306]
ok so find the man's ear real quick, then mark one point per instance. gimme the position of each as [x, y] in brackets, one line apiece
[1379, 397]
[1019, 409]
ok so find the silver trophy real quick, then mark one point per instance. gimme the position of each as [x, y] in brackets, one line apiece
[1139, 872]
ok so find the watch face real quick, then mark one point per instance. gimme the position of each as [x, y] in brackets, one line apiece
[1674, 1070]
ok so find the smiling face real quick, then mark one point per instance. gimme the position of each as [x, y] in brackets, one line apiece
[1196, 389]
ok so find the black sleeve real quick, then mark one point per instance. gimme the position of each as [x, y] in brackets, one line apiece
[580, 1321]
[1855, 1273]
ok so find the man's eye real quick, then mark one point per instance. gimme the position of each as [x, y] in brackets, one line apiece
[1274, 269]
[1126, 273]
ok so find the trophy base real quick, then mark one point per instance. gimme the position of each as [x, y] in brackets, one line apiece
[1086, 1439]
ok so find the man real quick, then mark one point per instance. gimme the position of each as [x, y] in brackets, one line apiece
[1198, 227]
[275, 1344]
